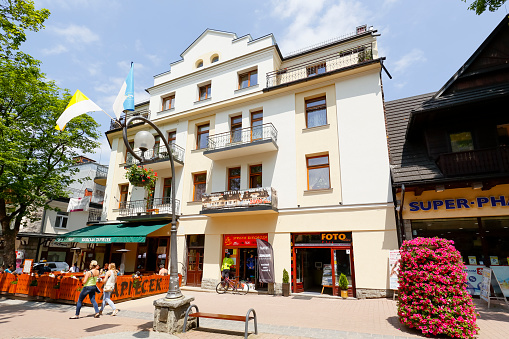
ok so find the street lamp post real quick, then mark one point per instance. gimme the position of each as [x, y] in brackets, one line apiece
[144, 141]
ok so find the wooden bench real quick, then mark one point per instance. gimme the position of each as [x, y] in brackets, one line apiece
[199, 315]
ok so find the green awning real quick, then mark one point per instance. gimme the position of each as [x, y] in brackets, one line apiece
[110, 233]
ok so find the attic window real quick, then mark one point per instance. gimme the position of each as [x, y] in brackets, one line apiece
[199, 63]
[215, 58]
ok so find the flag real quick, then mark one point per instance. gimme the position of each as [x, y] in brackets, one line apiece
[78, 105]
[125, 97]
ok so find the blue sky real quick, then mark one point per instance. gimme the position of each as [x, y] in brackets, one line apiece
[89, 44]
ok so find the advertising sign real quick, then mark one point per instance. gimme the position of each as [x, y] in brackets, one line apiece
[265, 261]
[27, 265]
[394, 257]
[335, 237]
[243, 239]
[502, 275]
[485, 285]
[327, 275]
[234, 199]
[474, 278]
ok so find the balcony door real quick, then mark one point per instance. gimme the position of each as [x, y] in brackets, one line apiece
[236, 129]
[256, 125]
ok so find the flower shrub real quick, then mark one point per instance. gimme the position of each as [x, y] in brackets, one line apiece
[432, 292]
[141, 176]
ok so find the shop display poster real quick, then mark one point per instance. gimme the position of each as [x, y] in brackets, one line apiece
[394, 256]
[474, 278]
[327, 275]
[472, 260]
[494, 260]
[265, 261]
[485, 285]
[502, 276]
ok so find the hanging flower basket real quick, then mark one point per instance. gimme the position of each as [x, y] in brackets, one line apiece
[141, 177]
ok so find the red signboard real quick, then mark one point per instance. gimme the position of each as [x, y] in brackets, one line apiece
[235, 240]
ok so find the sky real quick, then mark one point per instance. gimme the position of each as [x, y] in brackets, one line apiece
[89, 44]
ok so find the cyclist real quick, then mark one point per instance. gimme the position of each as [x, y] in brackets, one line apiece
[225, 267]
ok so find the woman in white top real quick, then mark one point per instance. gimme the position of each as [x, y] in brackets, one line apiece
[110, 279]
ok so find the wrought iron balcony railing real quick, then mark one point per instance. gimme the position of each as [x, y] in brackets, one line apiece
[248, 198]
[101, 172]
[491, 160]
[115, 124]
[157, 153]
[322, 65]
[242, 136]
[147, 207]
[94, 215]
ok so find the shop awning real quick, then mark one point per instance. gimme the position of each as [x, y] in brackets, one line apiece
[110, 233]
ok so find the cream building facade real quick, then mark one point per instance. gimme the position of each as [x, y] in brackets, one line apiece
[287, 149]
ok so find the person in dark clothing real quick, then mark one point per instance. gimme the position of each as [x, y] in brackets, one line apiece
[46, 268]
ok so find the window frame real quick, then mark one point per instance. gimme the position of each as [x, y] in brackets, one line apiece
[171, 99]
[316, 108]
[172, 139]
[235, 127]
[254, 175]
[230, 177]
[59, 220]
[166, 184]
[207, 90]
[249, 75]
[195, 183]
[123, 194]
[458, 132]
[215, 58]
[312, 167]
[256, 121]
[199, 134]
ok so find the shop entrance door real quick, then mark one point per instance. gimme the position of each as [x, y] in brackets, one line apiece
[194, 267]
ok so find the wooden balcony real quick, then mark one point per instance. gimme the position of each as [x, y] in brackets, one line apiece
[484, 161]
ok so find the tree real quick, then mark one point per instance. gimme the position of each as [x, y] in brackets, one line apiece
[479, 6]
[35, 158]
[16, 16]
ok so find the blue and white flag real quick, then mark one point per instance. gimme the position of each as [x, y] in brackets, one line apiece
[125, 97]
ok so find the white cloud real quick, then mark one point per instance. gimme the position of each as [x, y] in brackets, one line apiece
[155, 59]
[315, 21]
[58, 49]
[94, 68]
[413, 57]
[76, 34]
[400, 85]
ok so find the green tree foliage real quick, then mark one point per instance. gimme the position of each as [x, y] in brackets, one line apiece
[16, 16]
[35, 158]
[479, 6]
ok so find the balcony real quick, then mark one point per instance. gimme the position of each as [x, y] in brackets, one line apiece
[97, 197]
[147, 209]
[159, 154]
[484, 161]
[242, 142]
[116, 125]
[322, 66]
[250, 201]
[94, 215]
[101, 175]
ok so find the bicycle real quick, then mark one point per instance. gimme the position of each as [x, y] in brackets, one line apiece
[240, 287]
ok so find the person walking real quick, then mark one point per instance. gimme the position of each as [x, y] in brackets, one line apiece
[89, 288]
[110, 279]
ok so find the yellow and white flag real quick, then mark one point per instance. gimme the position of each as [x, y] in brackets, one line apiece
[78, 105]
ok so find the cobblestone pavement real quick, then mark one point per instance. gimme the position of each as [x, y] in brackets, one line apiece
[299, 316]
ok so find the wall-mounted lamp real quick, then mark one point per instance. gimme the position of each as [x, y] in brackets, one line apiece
[477, 185]
[439, 188]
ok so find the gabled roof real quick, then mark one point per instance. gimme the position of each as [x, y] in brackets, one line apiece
[207, 31]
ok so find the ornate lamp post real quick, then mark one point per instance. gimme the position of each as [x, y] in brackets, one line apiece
[144, 141]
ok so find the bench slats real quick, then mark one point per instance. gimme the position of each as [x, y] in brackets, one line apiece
[219, 316]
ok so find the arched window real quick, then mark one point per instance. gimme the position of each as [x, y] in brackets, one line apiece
[214, 58]
[199, 63]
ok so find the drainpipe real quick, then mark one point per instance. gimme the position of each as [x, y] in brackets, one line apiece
[400, 214]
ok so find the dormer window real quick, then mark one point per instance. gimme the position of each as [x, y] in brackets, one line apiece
[461, 141]
[214, 58]
[199, 63]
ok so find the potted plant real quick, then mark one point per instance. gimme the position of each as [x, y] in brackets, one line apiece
[343, 286]
[140, 176]
[286, 283]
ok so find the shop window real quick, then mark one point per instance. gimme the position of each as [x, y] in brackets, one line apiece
[204, 92]
[169, 102]
[248, 79]
[256, 124]
[162, 253]
[172, 137]
[202, 136]
[255, 176]
[318, 172]
[200, 184]
[461, 142]
[316, 69]
[234, 179]
[124, 192]
[316, 112]
[236, 128]
[61, 221]
[503, 135]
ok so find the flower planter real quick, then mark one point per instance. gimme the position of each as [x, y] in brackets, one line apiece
[344, 294]
[54, 293]
[286, 289]
[33, 290]
[12, 288]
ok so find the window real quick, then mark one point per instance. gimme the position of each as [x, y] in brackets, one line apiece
[166, 190]
[124, 191]
[204, 92]
[318, 172]
[199, 63]
[255, 176]
[461, 142]
[215, 58]
[61, 221]
[127, 154]
[236, 128]
[202, 136]
[156, 148]
[503, 134]
[234, 179]
[168, 102]
[172, 136]
[248, 79]
[256, 124]
[316, 69]
[316, 112]
[200, 183]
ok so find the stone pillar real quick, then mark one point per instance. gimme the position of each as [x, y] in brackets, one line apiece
[169, 315]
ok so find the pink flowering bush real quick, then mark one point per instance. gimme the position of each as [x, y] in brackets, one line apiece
[432, 292]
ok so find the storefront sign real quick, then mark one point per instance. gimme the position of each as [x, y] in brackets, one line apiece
[265, 261]
[243, 239]
[55, 243]
[336, 237]
[458, 203]
[394, 257]
[235, 199]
